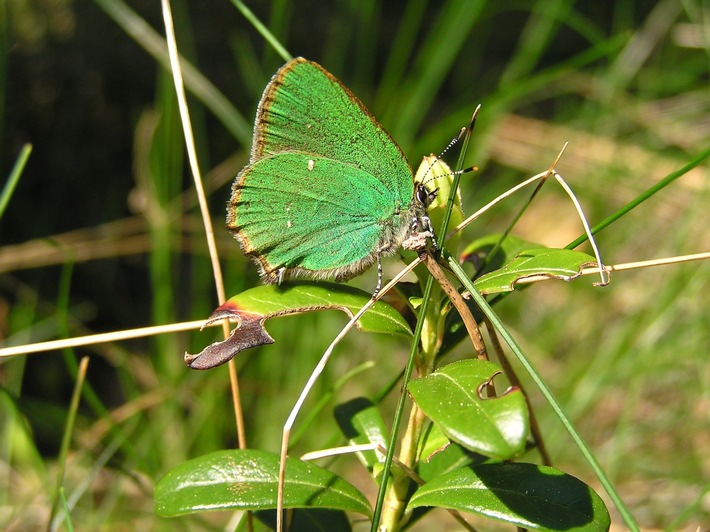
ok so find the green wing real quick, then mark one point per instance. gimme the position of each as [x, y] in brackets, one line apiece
[286, 213]
[306, 109]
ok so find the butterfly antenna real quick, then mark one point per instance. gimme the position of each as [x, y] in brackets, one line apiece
[450, 145]
[464, 132]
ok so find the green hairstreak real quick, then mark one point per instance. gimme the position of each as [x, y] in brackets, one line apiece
[327, 192]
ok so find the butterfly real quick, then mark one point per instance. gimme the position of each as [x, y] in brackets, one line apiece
[327, 192]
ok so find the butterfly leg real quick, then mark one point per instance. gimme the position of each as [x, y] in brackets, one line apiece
[421, 231]
[426, 221]
[379, 275]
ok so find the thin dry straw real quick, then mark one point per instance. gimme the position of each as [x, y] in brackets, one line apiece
[101, 338]
[128, 334]
[204, 208]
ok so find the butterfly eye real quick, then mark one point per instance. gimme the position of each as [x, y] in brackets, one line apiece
[424, 196]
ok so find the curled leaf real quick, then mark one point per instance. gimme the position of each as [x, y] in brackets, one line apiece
[250, 332]
[253, 307]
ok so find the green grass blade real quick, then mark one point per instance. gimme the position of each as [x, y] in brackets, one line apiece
[66, 438]
[663, 183]
[263, 30]
[545, 19]
[14, 177]
[66, 509]
[195, 81]
[437, 53]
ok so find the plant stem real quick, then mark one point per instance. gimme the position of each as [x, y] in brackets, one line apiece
[396, 499]
[393, 517]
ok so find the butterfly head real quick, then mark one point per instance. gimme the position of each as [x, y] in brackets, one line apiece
[425, 196]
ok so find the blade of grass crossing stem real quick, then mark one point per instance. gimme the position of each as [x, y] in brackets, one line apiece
[66, 509]
[547, 393]
[286, 432]
[642, 197]
[399, 411]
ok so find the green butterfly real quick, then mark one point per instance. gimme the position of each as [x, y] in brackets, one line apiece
[327, 192]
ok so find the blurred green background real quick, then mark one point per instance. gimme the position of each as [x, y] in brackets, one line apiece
[103, 234]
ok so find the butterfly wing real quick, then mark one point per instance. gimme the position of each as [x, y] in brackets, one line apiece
[306, 109]
[286, 213]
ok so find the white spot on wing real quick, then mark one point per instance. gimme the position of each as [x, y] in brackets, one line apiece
[311, 164]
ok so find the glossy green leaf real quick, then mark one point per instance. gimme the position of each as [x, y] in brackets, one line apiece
[542, 263]
[296, 297]
[479, 250]
[251, 308]
[439, 455]
[433, 441]
[305, 520]
[453, 398]
[361, 423]
[526, 495]
[247, 480]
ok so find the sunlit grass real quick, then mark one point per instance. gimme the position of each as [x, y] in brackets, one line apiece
[629, 361]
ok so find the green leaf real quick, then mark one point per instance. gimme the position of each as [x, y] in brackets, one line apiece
[525, 495]
[306, 520]
[361, 422]
[542, 263]
[453, 398]
[439, 455]
[247, 479]
[479, 250]
[253, 307]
